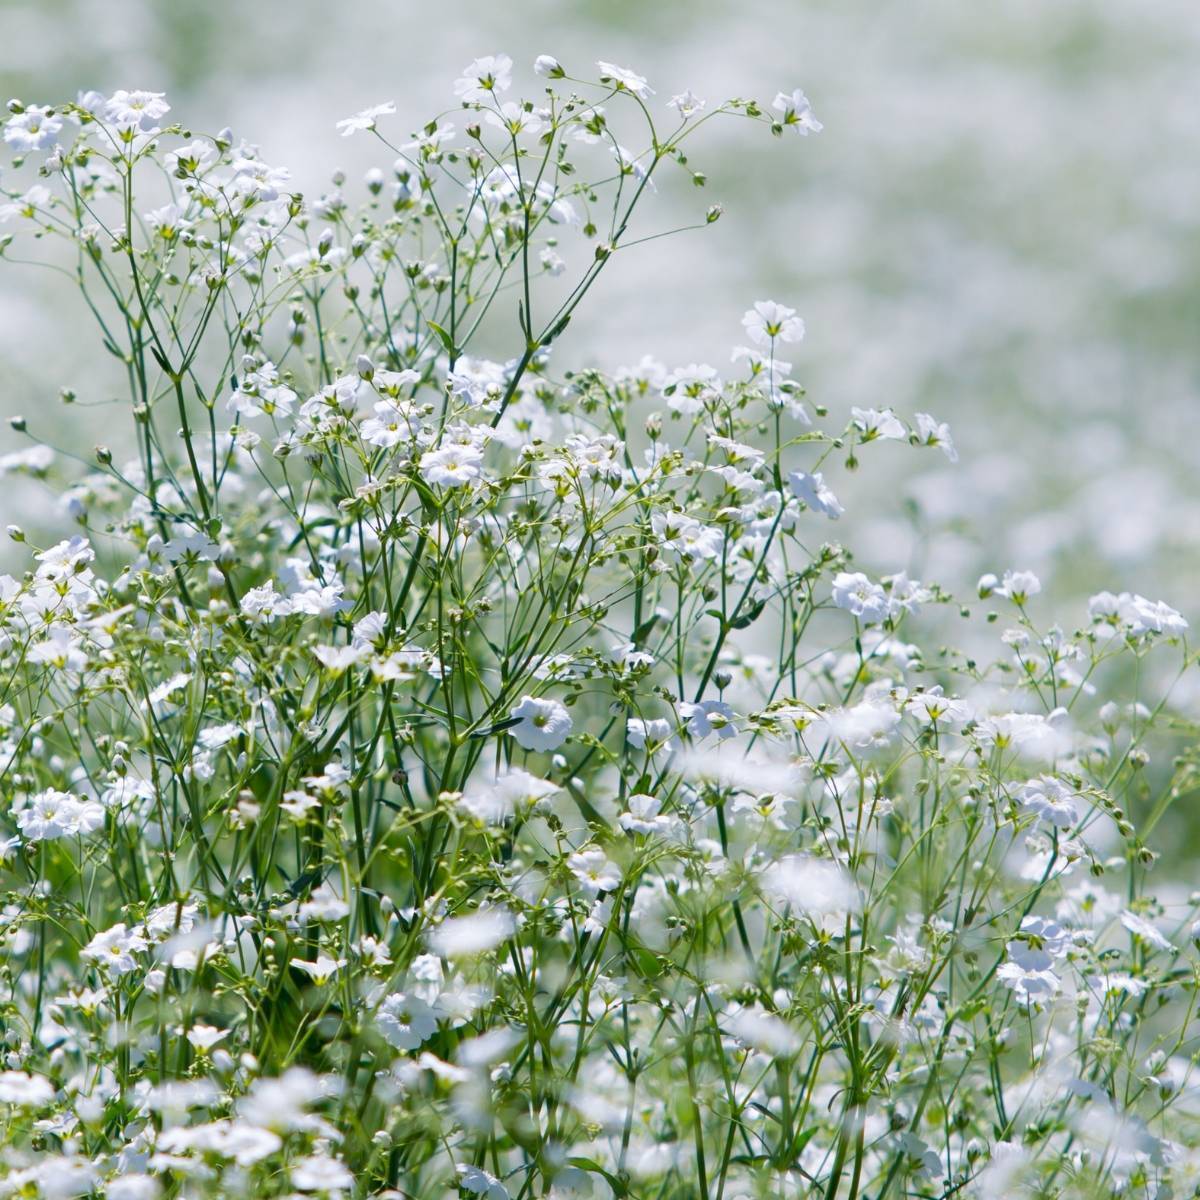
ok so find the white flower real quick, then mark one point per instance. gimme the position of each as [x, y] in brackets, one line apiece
[681, 536]
[53, 814]
[813, 886]
[133, 1187]
[1134, 615]
[36, 128]
[136, 110]
[812, 490]
[643, 815]
[476, 933]
[797, 112]
[542, 725]
[1017, 586]
[322, 971]
[687, 104]
[653, 733]
[514, 118]
[763, 1030]
[484, 77]
[931, 706]
[1029, 972]
[265, 603]
[337, 659]
[113, 950]
[406, 1021]
[622, 77]
[904, 595]
[494, 801]
[688, 389]
[858, 595]
[873, 423]
[365, 120]
[709, 716]
[320, 1173]
[931, 432]
[547, 65]
[479, 1182]
[1146, 930]
[29, 1091]
[1051, 800]
[253, 177]
[594, 871]
[862, 726]
[928, 1161]
[452, 466]
[767, 321]
[205, 1037]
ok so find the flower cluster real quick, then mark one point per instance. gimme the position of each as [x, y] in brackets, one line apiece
[428, 771]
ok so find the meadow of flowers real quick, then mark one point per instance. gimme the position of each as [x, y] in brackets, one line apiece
[430, 766]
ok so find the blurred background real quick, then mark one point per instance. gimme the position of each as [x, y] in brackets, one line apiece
[998, 225]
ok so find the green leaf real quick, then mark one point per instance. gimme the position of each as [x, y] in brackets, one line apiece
[498, 727]
[588, 1164]
[748, 618]
[444, 337]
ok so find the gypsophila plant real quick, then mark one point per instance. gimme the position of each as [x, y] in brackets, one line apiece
[429, 771]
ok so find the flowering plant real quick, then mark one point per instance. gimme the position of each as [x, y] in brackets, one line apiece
[430, 770]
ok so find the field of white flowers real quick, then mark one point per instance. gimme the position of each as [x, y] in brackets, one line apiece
[434, 765]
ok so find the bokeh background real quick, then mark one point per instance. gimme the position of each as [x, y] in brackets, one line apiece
[998, 225]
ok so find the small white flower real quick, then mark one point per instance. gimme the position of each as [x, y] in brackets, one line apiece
[768, 321]
[874, 423]
[36, 128]
[28, 1091]
[1017, 586]
[322, 971]
[364, 121]
[479, 1182]
[484, 77]
[476, 933]
[687, 104]
[1051, 800]
[542, 725]
[858, 595]
[320, 1173]
[136, 110]
[709, 716]
[813, 886]
[113, 950]
[452, 466]
[406, 1021]
[205, 1037]
[796, 112]
[1140, 927]
[931, 432]
[814, 492]
[594, 871]
[622, 77]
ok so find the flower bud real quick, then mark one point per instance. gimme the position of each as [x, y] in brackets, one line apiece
[104, 456]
